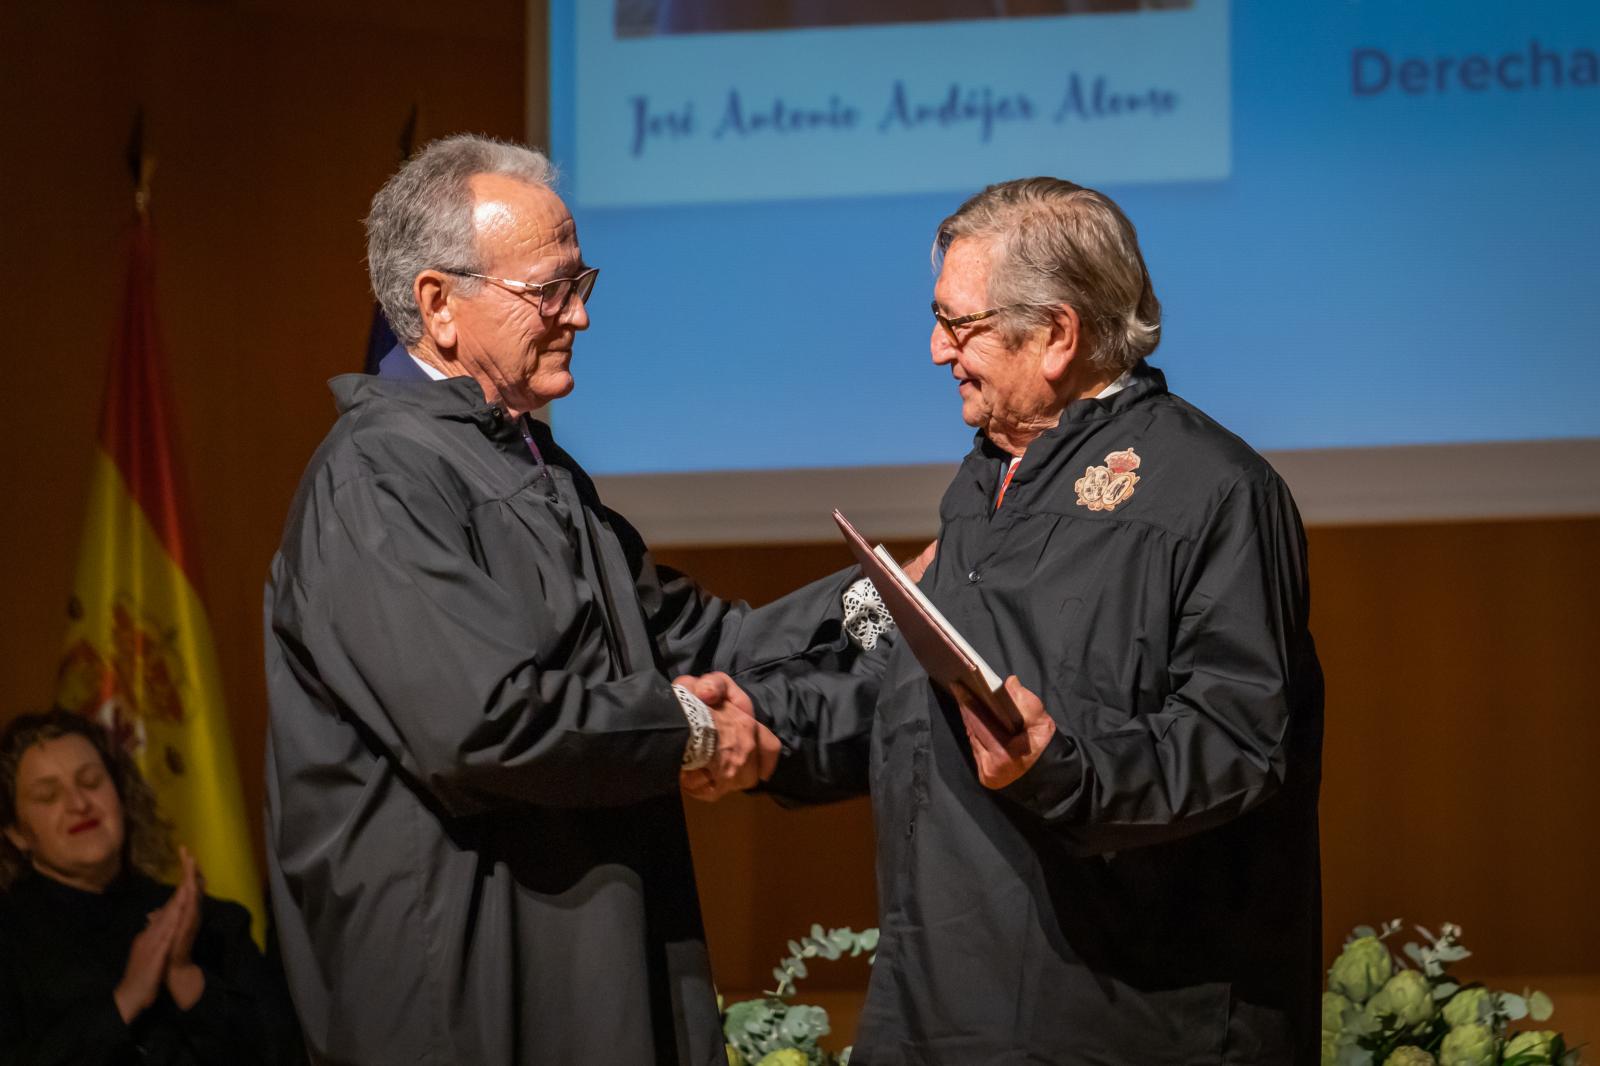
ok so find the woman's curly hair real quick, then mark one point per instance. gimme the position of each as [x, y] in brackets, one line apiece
[148, 844]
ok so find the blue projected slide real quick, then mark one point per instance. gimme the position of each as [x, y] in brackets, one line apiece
[1370, 223]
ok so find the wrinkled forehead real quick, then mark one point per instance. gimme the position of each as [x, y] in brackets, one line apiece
[964, 271]
[521, 225]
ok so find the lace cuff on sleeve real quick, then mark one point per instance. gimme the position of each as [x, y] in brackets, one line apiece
[865, 617]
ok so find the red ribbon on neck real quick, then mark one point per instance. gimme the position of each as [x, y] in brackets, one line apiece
[1005, 483]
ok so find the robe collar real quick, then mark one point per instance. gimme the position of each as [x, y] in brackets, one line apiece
[399, 365]
[1080, 418]
[401, 380]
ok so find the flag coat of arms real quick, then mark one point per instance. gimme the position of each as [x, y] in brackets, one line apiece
[139, 655]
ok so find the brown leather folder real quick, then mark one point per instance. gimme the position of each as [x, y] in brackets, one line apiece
[943, 652]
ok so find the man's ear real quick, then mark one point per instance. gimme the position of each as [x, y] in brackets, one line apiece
[1063, 344]
[432, 293]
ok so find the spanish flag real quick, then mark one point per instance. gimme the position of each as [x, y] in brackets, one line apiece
[139, 656]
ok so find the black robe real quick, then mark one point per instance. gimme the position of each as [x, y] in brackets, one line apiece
[475, 838]
[63, 951]
[1148, 892]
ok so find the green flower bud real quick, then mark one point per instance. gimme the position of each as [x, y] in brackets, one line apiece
[1468, 1045]
[1466, 1007]
[1532, 1042]
[1330, 1049]
[1361, 969]
[1409, 1056]
[734, 1058]
[1407, 997]
[1334, 1007]
[787, 1056]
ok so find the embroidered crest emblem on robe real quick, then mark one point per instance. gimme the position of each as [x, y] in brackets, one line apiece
[1102, 488]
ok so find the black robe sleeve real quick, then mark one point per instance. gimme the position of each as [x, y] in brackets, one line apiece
[434, 658]
[1218, 745]
[815, 688]
[824, 722]
[820, 703]
[696, 632]
[809, 683]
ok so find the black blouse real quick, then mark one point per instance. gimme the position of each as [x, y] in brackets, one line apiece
[63, 951]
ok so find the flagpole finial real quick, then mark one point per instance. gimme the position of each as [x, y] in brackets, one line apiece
[141, 166]
[408, 133]
[141, 193]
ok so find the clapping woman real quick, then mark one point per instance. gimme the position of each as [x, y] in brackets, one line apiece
[100, 962]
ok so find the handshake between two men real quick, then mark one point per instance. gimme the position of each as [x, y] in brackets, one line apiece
[748, 752]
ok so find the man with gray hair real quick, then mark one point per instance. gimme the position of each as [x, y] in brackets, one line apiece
[476, 842]
[1131, 876]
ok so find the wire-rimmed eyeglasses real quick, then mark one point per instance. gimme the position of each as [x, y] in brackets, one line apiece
[553, 295]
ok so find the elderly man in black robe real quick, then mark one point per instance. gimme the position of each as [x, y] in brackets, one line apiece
[476, 844]
[1132, 877]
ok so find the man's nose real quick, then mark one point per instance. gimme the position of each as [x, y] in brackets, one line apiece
[577, 312]
[939, 344]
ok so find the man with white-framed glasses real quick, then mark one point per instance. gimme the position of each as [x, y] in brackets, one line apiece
[483, 692]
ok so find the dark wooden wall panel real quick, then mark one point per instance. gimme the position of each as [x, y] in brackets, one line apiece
[273, 122]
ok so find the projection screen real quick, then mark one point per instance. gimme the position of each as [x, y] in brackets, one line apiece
[1372, 227]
